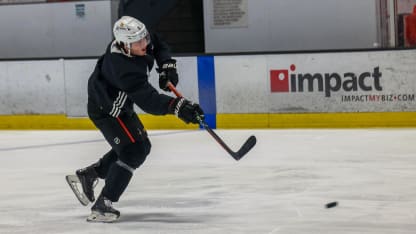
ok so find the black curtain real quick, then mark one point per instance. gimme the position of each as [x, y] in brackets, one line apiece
[150, 12]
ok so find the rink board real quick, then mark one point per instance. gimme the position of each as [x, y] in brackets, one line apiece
[329, 90]
[228, 121]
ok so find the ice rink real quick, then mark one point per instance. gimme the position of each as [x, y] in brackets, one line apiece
[189, 184]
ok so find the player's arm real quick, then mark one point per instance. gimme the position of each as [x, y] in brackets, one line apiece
[166, 65]
[149, 100]
[161, 50]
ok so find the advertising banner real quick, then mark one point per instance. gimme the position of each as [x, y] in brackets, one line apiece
[373, 81]
[343, 82]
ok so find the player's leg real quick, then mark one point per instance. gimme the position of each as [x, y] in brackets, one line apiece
[85, 179]
[129, 140]
[119, 176]
[105, 163]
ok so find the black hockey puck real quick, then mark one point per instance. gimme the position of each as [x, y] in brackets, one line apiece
[331, 205]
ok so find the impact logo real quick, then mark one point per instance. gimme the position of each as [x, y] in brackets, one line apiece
[288, 80]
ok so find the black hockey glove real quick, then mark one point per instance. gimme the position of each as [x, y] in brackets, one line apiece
[186, 110]
[168, 73]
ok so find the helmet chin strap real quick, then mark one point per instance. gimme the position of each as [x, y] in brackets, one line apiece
[129, 49]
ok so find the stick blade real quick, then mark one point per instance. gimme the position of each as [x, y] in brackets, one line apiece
[247, 146]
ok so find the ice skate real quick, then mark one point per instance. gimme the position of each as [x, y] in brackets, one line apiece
[103, 211]
[83, 183]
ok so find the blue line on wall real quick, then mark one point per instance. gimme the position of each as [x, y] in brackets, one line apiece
[206, 88]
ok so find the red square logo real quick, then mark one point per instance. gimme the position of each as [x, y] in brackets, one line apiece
[279, 80]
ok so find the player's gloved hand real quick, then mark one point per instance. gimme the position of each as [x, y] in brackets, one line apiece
[187, 111]
[168, 73]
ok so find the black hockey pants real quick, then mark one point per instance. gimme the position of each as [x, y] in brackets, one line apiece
[130, 146]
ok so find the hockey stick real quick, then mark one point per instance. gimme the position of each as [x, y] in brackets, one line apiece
[247, 146]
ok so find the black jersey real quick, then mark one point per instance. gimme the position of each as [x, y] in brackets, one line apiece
[120, 80]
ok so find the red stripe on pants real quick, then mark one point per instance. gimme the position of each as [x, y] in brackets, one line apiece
[126, 130]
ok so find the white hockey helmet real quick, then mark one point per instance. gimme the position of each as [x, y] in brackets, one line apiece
[128, 30]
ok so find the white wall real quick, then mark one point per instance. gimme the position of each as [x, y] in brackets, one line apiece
[54, 30]
[76, 76]
[286, 25]
[243, 83]
[60, 86]
[32, 87]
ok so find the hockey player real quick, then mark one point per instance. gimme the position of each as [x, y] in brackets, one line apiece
[119, 80]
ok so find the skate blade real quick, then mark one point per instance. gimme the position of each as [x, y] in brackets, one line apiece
[73, 181]
[96, 217]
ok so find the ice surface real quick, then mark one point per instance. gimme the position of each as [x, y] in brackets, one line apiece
[189, 184]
